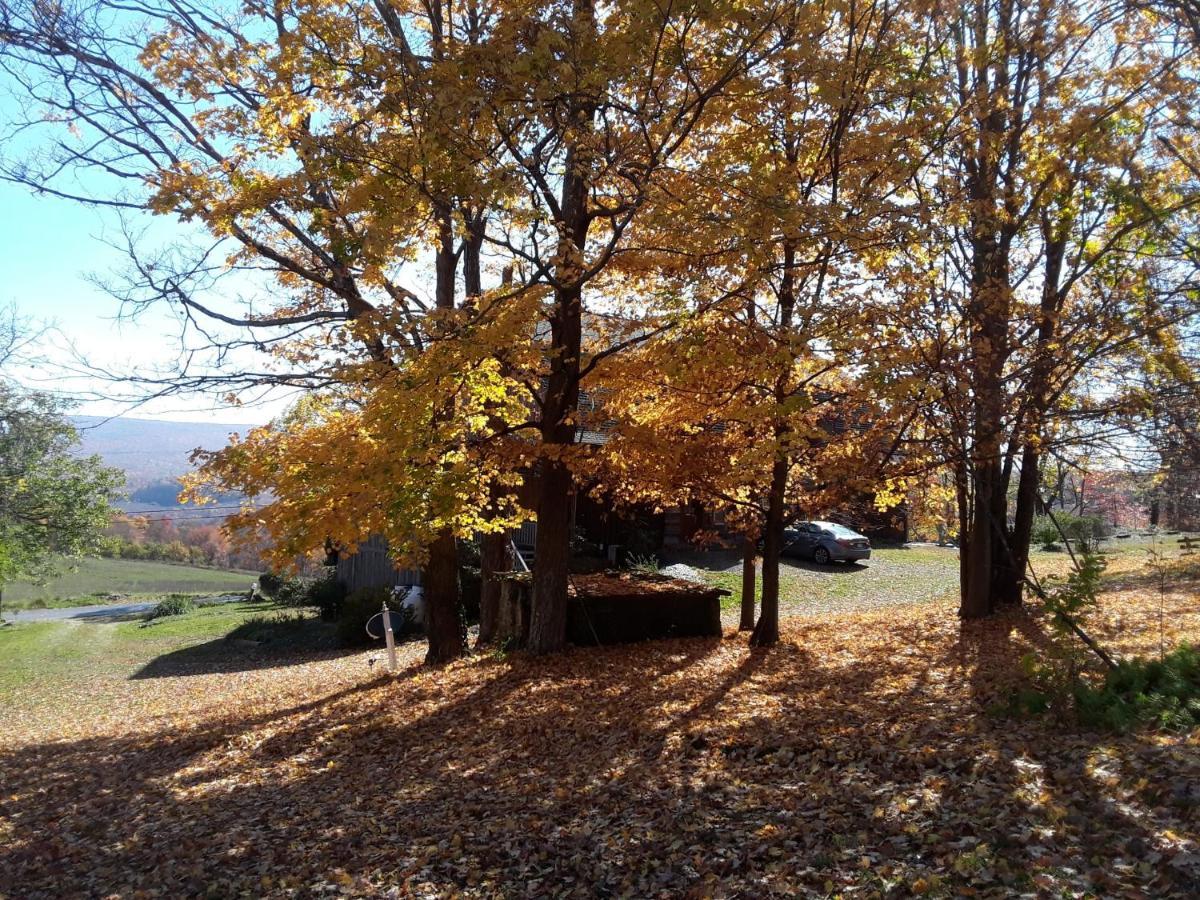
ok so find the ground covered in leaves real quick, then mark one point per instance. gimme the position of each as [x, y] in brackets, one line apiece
[858, 758]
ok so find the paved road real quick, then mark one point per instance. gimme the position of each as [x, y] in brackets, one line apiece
[101, 612]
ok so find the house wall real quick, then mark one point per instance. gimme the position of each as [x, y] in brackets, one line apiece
[371, 566]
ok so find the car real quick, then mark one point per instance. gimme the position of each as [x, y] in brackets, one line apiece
[825, 542]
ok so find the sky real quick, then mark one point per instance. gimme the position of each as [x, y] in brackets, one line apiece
[48, 249]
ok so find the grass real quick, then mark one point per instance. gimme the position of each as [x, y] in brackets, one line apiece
[92, 580]
[896, 575]
[891, 575]
[39, 658]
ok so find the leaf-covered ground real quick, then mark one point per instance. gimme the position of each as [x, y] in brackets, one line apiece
[857, 758]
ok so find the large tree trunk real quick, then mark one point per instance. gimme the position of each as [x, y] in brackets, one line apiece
[989, 312]
[749, 553]
[989, 505]
[766, 631]
[494, 558]
[548, 608]
[552, 548]
[440, 578]
[444, 625]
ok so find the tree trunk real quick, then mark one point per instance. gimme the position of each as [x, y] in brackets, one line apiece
[1010, 575]
[447, 639]
[749, 552]
[1011, 587]
[495, 558]
[988, 514]
[552, 548]
[766, 632]
[440, 585]
[989, 313]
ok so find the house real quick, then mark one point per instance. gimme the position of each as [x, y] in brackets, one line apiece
[616, 535]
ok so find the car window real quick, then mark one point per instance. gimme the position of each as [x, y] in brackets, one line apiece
[840, 530]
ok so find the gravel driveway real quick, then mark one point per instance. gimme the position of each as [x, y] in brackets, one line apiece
[891, 577]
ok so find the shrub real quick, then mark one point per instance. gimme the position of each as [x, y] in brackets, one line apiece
[291, 629]
[324, 592]
[470, 579]
[270, 583]
[327, 593]
[470, 584]
[172, 605]
[358, 607]
[1162, 693]
[643, 565]
[1084, 532]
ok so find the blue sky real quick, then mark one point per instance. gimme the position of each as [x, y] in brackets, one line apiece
[48, 248]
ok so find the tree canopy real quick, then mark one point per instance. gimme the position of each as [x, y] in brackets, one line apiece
[796, 252]
[53, 503]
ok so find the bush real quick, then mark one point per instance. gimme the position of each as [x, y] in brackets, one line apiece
[290, 629]
[270, 583]
[327, 594]
[1162, 693]
[470, 584]
[1084, 532]
[358, 607]
[172, 605]
[643, 565]
[324, 592]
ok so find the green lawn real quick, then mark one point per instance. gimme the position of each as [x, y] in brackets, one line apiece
[93, 579]
[37, 657]
[896, 575]
[891, 575]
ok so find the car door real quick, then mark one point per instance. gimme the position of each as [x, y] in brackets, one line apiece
[793, 543]
[803, 544]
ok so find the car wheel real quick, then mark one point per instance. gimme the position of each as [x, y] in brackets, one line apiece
[821, 556]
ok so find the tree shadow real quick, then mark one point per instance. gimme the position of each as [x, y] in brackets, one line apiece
[832, 568]
[659, 768]
[227, 655]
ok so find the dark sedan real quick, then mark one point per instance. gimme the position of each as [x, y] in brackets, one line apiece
[825, 542]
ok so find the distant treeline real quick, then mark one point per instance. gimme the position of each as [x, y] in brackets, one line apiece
[168, 540]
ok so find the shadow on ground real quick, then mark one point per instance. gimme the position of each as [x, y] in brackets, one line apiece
[232, 654]
[827, 763]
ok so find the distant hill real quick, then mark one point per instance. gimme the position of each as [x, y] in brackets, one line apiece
[152, 453]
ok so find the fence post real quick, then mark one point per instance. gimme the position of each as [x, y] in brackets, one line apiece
[389, 637]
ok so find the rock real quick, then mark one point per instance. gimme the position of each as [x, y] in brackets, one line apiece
[683, 572]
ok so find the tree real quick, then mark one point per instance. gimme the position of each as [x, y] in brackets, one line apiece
[594, 104]
[1055, 191]
[792, 211]
[329, 180]
[52, 503]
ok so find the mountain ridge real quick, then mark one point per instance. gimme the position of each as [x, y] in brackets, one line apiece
[152, 452]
